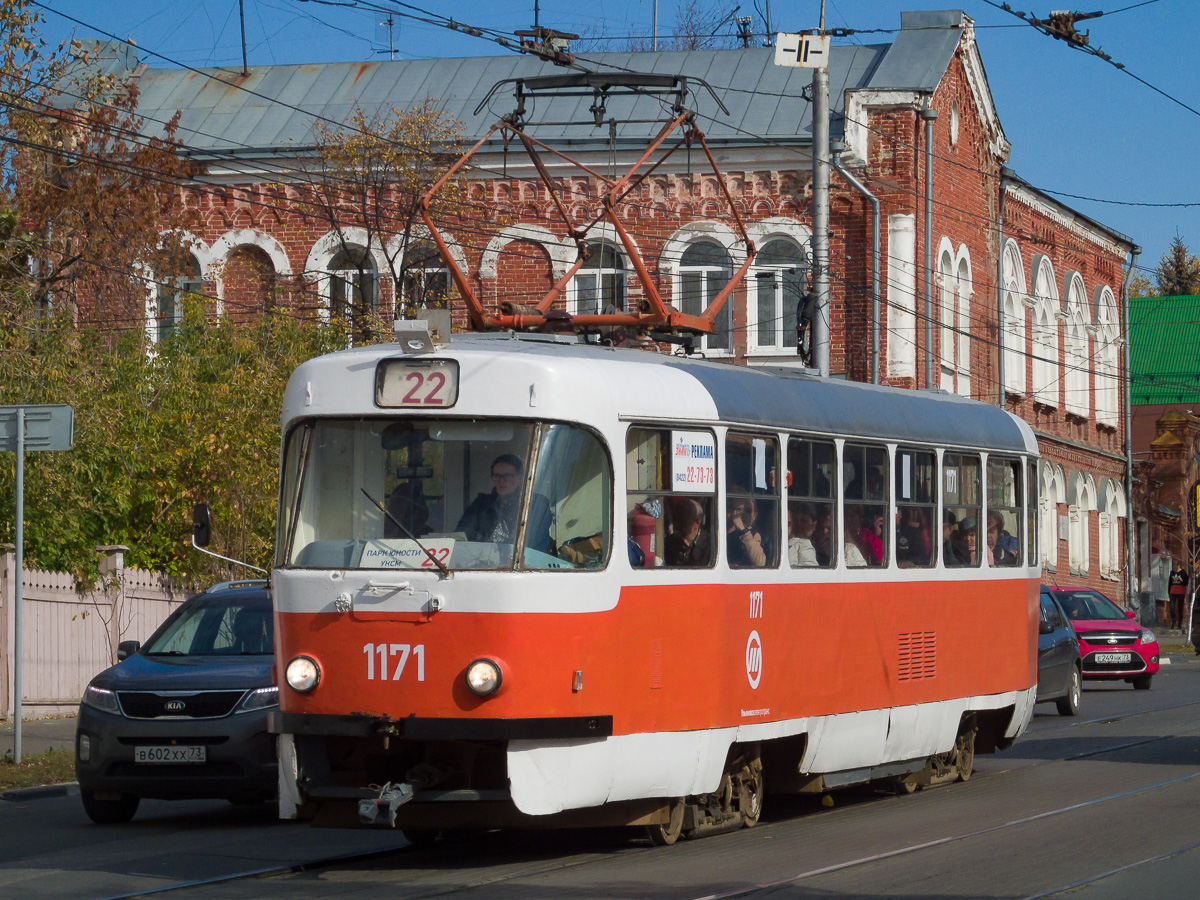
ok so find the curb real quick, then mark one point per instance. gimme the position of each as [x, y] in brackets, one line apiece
[45, 792]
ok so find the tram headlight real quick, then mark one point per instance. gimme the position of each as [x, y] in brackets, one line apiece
[484, 677]
[303, 674]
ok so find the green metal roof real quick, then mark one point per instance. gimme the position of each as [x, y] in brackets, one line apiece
[1164, 334]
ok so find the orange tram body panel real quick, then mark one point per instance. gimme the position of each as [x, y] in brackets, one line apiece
[829, 583]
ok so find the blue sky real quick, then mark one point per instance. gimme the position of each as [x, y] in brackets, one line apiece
[1077, 125]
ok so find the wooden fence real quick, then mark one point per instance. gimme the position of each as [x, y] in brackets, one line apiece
[69, 637]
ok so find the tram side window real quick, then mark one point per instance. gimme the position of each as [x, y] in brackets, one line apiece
[812, 510]
[1003, 537]
[671, 489]
[573, 476]
[960, 509]
[1032, 506]
[752, 492]
[916, 507]
[865, 474]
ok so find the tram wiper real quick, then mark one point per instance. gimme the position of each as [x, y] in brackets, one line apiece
[441, 566]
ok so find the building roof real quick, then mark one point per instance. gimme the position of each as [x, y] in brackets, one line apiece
[1164, 349]
[273, 108]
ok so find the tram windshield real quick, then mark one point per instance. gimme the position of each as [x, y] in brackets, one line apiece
[470, 493]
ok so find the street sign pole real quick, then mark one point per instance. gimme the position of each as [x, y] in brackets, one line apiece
[28, 428]
[18, 596]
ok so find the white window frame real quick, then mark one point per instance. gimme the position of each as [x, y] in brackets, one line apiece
[602, 278]
[956, 289]
[1052, 492]
[1083, 492]
[1107, 356]
[781, 340]
[706, 296]
[1077, 395]
[1015, 299]
[351, 276]
[1046, 377]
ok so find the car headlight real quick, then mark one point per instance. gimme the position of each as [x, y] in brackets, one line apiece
[102, 699]
[484, 677]
[261, 698]
[1147, 636]
[303, 674]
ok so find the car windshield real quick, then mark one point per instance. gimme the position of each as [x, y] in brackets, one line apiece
[399, 493]
[217, 625]
[1083, 605]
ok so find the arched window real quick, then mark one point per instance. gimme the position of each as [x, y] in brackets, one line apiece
[424, 278]
[1112, 510]
[1052, 493]
[1077, 382]
[1014, 319]
[169, 294]
[1081, 502]
[599, 286]
[704, 270]
[352, 284]
[954, 279]
[1045, 334]
[780, 276]
[1108, 348]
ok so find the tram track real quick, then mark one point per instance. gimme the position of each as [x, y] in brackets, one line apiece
[347, 859]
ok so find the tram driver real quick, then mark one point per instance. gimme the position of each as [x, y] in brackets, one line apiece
[493, 517]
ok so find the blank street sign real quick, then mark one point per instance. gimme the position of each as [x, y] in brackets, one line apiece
[47, 427]
[803, 51]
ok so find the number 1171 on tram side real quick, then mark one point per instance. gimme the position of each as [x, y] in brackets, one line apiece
[525, 580]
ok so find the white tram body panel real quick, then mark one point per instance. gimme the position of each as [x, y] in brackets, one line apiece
[623, 681]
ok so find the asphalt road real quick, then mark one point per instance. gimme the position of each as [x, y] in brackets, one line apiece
[1103, 806]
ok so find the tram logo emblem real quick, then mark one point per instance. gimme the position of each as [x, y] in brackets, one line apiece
[754, 660]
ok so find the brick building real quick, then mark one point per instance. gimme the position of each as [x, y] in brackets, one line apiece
[1046, 343]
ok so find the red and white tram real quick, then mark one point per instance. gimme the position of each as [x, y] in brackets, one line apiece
[523, 579]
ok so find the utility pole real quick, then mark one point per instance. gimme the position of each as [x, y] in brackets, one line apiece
[242, 15]
[390, 23]
[820, 238]
[654, 40]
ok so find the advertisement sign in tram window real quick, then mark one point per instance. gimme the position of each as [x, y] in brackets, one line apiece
[693, 462]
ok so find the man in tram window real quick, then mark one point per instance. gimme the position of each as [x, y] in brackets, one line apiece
[744, 540]
[998, 552]
[967, 540]
[687, 544]
[802, 522]
[854, 526]
[492, 517]
[950, 549]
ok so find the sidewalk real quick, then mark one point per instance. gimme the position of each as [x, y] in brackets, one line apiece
[39, 735]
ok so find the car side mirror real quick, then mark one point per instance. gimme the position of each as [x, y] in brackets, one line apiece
[201, 525]
[1131, 613]
[1045, 627]
[126, 649]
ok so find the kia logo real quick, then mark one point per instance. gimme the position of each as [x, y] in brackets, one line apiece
[175, 706]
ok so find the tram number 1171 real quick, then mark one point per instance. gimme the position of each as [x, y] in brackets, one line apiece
[400, 654]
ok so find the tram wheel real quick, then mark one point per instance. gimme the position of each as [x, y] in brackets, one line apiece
[904, 785]
[965, 745]
[750, 797]
[667, 833]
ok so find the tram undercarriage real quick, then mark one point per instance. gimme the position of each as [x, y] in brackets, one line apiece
[427, 787]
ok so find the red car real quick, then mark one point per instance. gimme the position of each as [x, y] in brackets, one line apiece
[1112, 644]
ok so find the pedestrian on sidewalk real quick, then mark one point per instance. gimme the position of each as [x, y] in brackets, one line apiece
[1177, 584]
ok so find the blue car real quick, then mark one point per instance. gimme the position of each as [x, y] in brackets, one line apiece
[185, 716]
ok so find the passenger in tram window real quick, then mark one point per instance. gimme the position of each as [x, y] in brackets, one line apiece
[854, 526]
[802, 522]
[822, 538]
[950, 550]
[744, 541]
[493, 517]
[967, 539]
[913, 541]
[869, 534]
[688, 543]
[998, 553]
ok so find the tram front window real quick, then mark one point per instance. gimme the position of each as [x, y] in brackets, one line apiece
[388, 494]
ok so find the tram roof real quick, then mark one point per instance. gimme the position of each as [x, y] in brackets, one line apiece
[775, 397]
